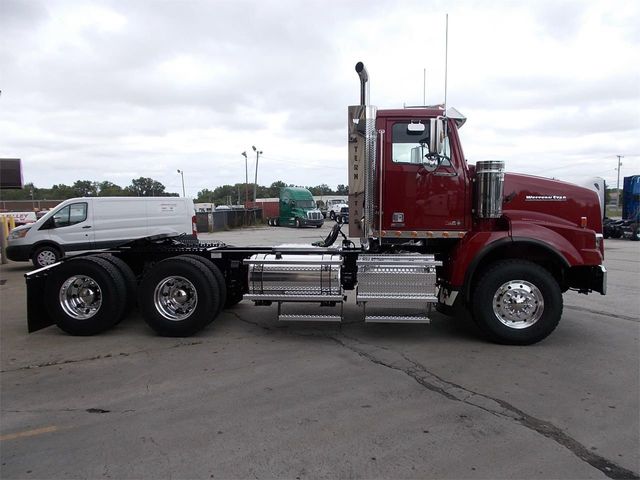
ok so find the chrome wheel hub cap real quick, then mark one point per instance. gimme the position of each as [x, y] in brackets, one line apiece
[80, 297]
[175, 298]
[518, 304]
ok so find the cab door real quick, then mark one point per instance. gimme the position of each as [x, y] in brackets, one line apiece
[421, 194]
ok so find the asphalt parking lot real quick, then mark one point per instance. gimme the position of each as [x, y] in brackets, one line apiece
[251, 398]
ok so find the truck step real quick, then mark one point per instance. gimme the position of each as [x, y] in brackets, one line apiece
[309, 318]
[286, 297]
[396, 319]
[410, 298]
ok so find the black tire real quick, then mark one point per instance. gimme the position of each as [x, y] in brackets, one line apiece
[298, 223]
[112, 295]
[46, 255]
[635, 233]
[220, 280]
[332, 215]
[537, 281]
[318, 226]
[130, 280]
[277, 221]
[205, 291]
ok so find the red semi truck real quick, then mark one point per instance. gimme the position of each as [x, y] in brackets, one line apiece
[432, 231]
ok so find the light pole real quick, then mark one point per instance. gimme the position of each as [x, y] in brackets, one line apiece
[181, 172]
[255, 183]
[246, 179]
[618, 186]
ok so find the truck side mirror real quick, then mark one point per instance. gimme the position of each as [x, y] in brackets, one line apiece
[436, 135]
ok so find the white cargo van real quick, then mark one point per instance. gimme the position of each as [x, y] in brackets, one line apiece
[96, 223]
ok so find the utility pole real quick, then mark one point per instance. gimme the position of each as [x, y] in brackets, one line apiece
[620, 157]
[255, 182]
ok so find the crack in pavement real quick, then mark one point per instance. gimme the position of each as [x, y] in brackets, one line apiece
[400, 362]
[605, 314]
[492, 405]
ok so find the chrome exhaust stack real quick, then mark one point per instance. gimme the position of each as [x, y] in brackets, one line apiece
[364, 78]
[362, 161]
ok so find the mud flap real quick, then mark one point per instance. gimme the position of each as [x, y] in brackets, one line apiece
[37, 315]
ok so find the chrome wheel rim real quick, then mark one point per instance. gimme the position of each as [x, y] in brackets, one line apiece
[518, 304]
[80, 297]
[46, 257]
[175, 298]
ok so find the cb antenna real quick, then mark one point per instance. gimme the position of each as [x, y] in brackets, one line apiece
[446, 56]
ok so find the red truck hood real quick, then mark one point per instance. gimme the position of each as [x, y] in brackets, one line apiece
[541, 200]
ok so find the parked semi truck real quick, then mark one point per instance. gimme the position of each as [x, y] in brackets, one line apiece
[297, 209]
[426, 229]
[338, 210]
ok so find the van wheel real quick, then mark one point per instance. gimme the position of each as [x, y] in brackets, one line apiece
[517, 302]
[179, 297]
[85, 296]
[46, 255]
[219, 277]
[130, 280]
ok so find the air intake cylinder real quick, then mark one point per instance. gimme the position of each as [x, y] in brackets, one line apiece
[489, 188]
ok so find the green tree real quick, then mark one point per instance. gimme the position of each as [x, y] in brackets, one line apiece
[342, 190]
[147, 187]
[274, 189]
[109, 189]
[62, 192]
[85, 188]
[205, 196]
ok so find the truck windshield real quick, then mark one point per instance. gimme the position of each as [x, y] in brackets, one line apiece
[305, 203]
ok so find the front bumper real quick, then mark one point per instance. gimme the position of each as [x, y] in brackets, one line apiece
[19, 253]
[602, 280]
[588, 278]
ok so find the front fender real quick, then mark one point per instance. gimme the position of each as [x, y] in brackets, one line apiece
[576, 245]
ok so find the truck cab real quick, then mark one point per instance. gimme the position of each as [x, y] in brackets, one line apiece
[298, 209]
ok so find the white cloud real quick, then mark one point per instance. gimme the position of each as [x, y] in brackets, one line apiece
[112, 90]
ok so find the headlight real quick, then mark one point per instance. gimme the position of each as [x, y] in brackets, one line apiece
[599, 239]
[15, 234]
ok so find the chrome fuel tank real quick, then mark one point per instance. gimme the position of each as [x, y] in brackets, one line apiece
[294, 277]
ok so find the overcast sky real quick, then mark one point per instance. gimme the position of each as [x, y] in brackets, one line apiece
[116, 90]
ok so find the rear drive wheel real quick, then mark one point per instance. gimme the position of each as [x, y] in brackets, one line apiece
[517, 302]
[219, 277]
[130, 280]
[46, 255]
[85, 296]
[179, 297]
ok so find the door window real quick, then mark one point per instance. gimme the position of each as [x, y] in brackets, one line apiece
[70, 215]
[413, 147]
[408, 147]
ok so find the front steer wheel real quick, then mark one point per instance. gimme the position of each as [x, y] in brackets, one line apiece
[517, 302]
[179, 297]
[85, 296]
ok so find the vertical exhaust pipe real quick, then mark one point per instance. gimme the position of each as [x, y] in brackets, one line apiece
[364, 78]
